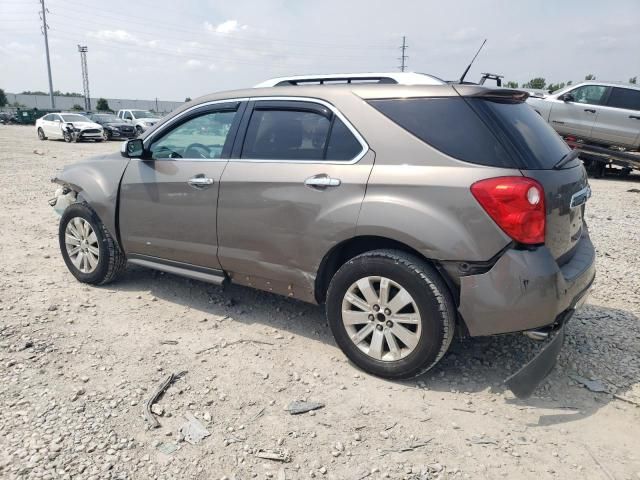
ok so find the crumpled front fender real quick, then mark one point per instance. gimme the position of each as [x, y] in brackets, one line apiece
[97, 182]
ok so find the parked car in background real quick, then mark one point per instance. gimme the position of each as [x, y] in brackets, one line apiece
[606, 114]
[470, 220]
[68, 126]
[140, 119]
[113, 126]
[7, 118]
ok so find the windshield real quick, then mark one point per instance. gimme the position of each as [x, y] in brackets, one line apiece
[106, 118]
[143, 114]
[74, 118]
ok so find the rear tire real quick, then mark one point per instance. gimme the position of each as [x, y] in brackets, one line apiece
[91, 254]
[398, 334]
[41, 134]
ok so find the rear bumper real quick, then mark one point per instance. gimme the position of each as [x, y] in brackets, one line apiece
[525, 290]
[524, 382]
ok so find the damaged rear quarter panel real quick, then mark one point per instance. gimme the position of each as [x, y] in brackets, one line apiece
[97, 182]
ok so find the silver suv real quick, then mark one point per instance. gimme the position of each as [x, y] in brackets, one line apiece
[413, 212]
[603, 113]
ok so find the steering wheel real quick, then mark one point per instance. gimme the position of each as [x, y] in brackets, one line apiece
[196, 150]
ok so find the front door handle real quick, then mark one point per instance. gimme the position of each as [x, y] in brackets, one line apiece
[322, 182]
[590, 110]
[200, 181]
[637, 117]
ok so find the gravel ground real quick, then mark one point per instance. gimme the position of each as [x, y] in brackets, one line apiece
[78, 364]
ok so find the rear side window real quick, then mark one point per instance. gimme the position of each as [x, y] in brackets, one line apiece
[624, 98]
[481, 131]
[289, 134]
[449, 125]
[523, 132]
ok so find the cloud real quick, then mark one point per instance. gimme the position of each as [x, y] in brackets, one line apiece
[224, 28]
[193, 63]
[121, 36]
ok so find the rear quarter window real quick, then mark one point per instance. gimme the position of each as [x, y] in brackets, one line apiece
[483, 131]
[449, 125]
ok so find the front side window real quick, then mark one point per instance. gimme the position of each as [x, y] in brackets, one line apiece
[201, 137]
[127, 116]
[289, 134]
[590, 94]
[626, 98]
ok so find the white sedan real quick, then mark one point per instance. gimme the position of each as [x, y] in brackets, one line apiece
[68, 126]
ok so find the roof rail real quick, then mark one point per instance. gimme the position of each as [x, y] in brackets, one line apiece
[403, 78]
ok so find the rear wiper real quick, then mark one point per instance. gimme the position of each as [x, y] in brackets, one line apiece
[566, 158]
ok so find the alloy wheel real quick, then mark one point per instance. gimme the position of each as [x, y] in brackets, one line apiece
[82, 244]
[381, 318]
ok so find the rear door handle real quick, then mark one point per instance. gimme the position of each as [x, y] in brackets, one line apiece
[200, 181]
[637, 117]
[590, 110]
[322, 181]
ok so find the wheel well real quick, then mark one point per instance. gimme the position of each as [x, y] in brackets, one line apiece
[353, 247]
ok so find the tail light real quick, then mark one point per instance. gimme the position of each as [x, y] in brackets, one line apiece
[516, 204]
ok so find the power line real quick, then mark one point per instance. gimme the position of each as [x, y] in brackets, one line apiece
[80, 8]
[45, 27]
[85, 76]
[404, 57]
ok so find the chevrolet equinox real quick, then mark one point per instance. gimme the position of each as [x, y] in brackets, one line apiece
[414, 213]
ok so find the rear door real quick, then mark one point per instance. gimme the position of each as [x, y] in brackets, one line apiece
[618, 121]
[292, 190]
[168, 199]
[577, 116]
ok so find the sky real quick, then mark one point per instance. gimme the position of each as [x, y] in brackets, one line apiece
[143, 49]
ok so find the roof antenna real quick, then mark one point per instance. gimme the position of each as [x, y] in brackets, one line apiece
[472, 60]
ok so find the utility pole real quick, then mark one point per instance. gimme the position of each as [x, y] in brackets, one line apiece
[45, 27]
[404, 57]
[85, 76]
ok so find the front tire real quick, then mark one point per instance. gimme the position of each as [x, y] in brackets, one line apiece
[391, 313]
[91, 254]
[106, 135]
[41, 134]
[139, 130]
[67, 136]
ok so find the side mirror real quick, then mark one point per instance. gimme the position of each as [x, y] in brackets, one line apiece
[568, 97]
[133, 148]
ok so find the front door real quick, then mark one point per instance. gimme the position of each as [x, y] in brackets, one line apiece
[52, 127]
[292, 190]
[168, 199]
[578, 115]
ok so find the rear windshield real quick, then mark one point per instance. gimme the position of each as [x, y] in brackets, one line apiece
[480, 131]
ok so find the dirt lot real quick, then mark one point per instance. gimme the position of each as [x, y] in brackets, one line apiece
[78, 364]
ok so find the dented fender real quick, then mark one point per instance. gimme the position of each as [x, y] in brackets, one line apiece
[96, 181]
